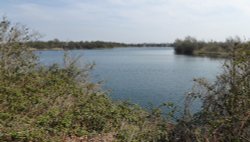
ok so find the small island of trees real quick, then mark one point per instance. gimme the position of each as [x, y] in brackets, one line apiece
[191, 46]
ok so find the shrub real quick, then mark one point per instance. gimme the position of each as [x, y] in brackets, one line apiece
[225, 114]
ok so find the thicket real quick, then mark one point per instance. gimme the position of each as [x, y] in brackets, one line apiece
[225, 114]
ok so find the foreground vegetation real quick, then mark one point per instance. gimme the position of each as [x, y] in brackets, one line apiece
[225, 114]
[192, 46]
[59, 103]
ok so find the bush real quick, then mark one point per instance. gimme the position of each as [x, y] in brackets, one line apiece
[225, 114]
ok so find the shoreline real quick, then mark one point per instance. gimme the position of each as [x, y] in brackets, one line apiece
[195, 54]
[60, 49]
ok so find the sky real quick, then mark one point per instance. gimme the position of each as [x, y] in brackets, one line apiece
[131, 21]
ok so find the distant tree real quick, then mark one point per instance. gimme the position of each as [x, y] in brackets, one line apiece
[186, 46]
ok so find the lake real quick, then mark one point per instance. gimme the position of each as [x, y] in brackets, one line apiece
[145, 76]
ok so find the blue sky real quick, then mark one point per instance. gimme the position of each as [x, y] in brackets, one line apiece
[132, 20]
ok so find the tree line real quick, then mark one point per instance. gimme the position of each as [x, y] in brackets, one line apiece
[191, 46]
[57, 44]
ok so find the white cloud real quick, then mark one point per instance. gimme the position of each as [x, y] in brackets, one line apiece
[134, 20]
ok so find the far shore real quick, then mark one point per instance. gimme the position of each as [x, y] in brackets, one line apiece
[195, 54]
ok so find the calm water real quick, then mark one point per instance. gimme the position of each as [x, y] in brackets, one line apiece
[143, 75]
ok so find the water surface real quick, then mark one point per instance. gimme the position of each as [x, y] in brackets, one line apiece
[143, 75]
